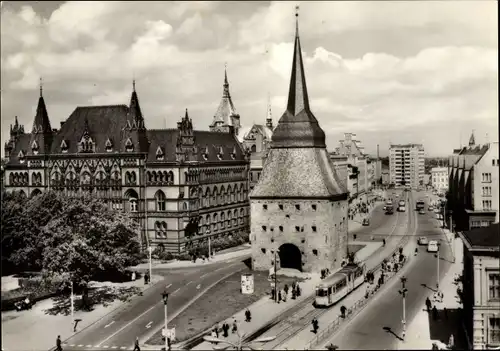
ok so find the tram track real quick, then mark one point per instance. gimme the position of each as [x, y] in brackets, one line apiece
[300, 317]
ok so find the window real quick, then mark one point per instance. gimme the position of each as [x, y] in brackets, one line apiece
[486, 190]
[263, 250]
[315, 252]
[493, 162]
[297, 207]
[160, 201]
[281, 228]
[280, 207]
[314, 207]
[161, 230]
[486, 177]
[264, 228]
[313, 228]
[486, 204]
[494, 329]
[264, 207]
[494, 286]
[475, 224]
[297, 228]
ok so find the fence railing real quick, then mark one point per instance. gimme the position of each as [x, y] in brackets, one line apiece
[322, 335]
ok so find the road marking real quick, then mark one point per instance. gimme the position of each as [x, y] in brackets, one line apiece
[123, 347]
[114, 347]
[89, 346]
[72, 345]
[218, 269]
[149, 325]
[168, 286]
[198, 286]
[176, 290]
[107, 325]
[105, 347]
[128, 324]
[203, 275]
[81, 345]
[189, 283]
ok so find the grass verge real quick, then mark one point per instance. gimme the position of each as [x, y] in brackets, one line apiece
[217, 304]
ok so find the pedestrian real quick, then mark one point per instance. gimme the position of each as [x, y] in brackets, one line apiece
[235, 326]
[146, 278]
[343, 310]
[214, 334]
[286, 289]
[58, 343]
[284, 295]
[225, 329]
[279, 296]
[383, 242]
[299, 291]
[273, 294]
[293, 285]
[294, 294]
[217, 331]
[248, 315]
[428, 303]
[136, 345]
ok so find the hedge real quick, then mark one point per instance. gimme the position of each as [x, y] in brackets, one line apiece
[36, 288]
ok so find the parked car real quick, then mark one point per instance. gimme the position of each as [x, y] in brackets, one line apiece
[431, 208]
[432, 246]
[402, 208]
[423, 240]
[366, 221]
[421, 211]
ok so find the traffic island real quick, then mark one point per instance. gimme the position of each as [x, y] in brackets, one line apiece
[218, 304]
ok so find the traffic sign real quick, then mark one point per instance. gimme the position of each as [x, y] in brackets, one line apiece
[170, 333]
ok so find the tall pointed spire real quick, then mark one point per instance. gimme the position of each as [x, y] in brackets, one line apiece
[225, 92]
[472, 140]
[226, 111]
[41, 123]
[135, 113]
[41, 87]
[298, 127]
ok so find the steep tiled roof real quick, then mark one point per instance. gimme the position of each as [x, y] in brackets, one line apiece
[213, 141]
[244, 131]
[485, 237]
[471, 155]
[298, 172]
[104, 122]
[22, 144]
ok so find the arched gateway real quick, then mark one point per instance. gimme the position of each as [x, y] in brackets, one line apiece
[290, 257]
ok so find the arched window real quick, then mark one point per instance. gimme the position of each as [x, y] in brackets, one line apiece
[133, 178]
[185, 206]
[222, 199]
[11, 179]
[253, 148]
[132, 199]
[222, 219]
[171, 177]
[161, 230]
[160, 201]
[207, 219]
[165, 176]
[150, 177]
[242, 214]
[160, 177]
[127, 178]
[214, 197]
[36, 192]
[85, 178]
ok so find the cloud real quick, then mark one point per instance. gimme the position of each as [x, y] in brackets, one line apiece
[383, 70]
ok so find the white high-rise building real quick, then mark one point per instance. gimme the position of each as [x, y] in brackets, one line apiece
[406, 164]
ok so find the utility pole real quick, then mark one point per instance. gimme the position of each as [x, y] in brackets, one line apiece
[209, 255]
[403, 292]
[275, 277]
[150, 249]
[437, 282]
[165, 302]
[72, 298]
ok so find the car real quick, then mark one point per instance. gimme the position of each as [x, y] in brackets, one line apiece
[423, 241]
[366, 221]
[385, 208]
[431, 208]
[402, 208]
[432, 246]
[421, 211]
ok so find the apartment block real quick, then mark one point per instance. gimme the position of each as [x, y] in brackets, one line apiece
[439, 178]
[406, 164]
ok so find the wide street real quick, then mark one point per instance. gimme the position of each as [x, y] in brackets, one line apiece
[146, 313]
[378, 325]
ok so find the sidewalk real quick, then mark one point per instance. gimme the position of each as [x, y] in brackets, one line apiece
[219, 257]
[423, 331]
[36, 330]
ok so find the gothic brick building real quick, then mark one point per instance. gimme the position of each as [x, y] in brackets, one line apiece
[299, 205]
[182, 185]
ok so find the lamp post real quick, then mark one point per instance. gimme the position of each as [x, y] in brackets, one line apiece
[437, 255]
[403, 292]
[164, 296]
[150, 250]
[239, 345]
[275, 251]
[72, 298]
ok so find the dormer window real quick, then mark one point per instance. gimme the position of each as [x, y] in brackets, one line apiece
[64, 146]
[34, 147]
[108, 145]
[21, 157]
[129, 146]
[233, 153]
[86, 144]
[205, 154]
[160, 155]
[220, 153]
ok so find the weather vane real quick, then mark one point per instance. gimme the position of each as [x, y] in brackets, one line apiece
[297, 11]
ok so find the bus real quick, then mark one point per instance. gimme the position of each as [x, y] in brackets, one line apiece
[420, 205]
[336, 287]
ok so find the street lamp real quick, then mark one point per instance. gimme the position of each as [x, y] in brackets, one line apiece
[164, 296]
[238, 345]
[150, 249]
[275, 251]
[437, 255]
[403, 292]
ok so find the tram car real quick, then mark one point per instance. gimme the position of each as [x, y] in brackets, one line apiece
[339, 285]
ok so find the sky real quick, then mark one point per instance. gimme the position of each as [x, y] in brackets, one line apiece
[391, 72]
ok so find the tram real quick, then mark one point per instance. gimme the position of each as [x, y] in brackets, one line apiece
[339, 285]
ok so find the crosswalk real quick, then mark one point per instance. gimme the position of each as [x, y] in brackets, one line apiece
[102, 347]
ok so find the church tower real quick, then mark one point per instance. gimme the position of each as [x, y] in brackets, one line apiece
[41, 133]
[226, 119]
[299, 206]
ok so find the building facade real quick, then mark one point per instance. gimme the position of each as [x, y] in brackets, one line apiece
[473, 185]
[481, 286]
[256, 140]
[182, 185]
[439, 178]
[406, 165]
[299, 205]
